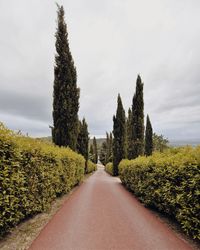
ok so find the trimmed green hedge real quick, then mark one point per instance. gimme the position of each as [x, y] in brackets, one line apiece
[91, 167]
[109, 168]
[170, 182]
[32, 174]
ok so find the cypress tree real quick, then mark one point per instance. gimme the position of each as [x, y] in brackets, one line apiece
[160, 143]
[110, 147]
[138, 121]
[103, 151]
[129, 134]
[107, 147]
[83, 141]
[65, 94]
[108, 154]
[119, 132]
[95, 150]
[91, 153]
[148, 138]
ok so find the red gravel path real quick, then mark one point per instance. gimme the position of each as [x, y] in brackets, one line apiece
[100, 215]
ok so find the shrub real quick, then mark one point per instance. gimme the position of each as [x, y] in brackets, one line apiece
[32, 174]
[91, 167]
[109, 168]
[170, 182]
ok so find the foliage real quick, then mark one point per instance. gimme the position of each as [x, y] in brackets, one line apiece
[95, 150]
[103, 151]
[109, 168]
[106, 149]
[160, 143]
[137, 121]
[170, 182]
[83, 139]
[91, 167]
[32, 174]
[91, 153]
[119, 133]
[66, 93]
[99, 142]
[109, 141]
[148, 138]
[129, 134]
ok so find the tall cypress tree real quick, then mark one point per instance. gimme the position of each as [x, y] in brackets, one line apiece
[95, 150]
[148, 138]
[129, 134]
[91, 153]
[119, 132]
[110, 147]
[83, 141]
[66, 94]
[107, 147]
[103, 152]
[138, 120]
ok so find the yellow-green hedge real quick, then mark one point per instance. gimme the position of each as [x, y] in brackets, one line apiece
[170, 182]
[109, 168]
[91, 167]
[32, 174]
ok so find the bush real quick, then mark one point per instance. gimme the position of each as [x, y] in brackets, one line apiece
[170, 182]
[109, 168]
[91, 167]
[32, 174]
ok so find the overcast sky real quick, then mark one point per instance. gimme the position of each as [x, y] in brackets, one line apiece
[111, 42]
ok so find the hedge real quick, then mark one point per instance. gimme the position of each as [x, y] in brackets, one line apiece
[109, 168]
[32, 174]
[170, 182]
[91, 167]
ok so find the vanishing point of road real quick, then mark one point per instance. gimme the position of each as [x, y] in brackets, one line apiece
[102, 215]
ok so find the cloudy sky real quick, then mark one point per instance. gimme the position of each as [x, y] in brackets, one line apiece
[111, 42]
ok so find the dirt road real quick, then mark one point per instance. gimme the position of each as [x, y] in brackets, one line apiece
[100, 215]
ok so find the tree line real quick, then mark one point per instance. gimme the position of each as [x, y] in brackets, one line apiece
[127, 140]
[130, 137]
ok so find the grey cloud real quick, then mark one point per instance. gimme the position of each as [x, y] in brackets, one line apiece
[25, 105]
[179, 102]
[32, 127]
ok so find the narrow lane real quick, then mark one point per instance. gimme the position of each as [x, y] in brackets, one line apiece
[102, 214]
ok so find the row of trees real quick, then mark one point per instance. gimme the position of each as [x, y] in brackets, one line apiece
[129, 140]
[67, 130]
[83, 140]
[129, 133]
[160, 144]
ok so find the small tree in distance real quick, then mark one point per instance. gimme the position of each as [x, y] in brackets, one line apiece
[91, 153]
[129, 128]
[83, 141]
[160, 143]
[95, 150]
[148, 138]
